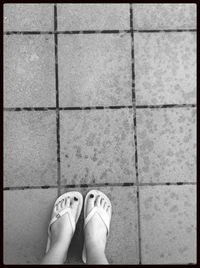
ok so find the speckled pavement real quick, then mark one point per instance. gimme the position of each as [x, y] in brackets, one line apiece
[101, 96]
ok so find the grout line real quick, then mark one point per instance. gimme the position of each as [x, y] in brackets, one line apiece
[57, 100]
[29, 187]
[96, 107]
[67, 32]
[125, 184]
[161, 106]
[16, 109]
[165, 31]
[96, 31]
[166, 183]
[135, 131]
[27, 32]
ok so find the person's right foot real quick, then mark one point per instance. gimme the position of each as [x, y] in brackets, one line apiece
[61, 230]
[95, 229]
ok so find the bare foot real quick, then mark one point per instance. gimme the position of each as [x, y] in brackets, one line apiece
[95, 229]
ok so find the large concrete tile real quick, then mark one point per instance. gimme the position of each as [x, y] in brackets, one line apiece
[94, 70]
[97, 146]
[166, 144]
[28, 17]
[168, 224]
[122, 244]
[26, 218]
[164, 16]
[29, 71]
[93, 17]
[165, 68]
[30, 148]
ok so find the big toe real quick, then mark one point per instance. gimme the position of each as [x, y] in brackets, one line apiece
[74, 204]
[90, 203]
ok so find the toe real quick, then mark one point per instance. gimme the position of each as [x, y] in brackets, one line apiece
[108, 209]
[62, 203]
[68, 201]
[105, 205]
[102, 201]
[74, 204]
[90, 203]
[98, 201]
[58, 206]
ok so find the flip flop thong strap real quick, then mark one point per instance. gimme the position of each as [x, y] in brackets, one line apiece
[60, 214]
[91, 214]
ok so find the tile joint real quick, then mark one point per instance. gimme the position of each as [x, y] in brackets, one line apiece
[57, 100]
[125, 184]
[161, 106]
[135, 130]
[96, 31]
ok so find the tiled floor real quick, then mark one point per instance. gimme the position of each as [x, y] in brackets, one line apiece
[101, 96]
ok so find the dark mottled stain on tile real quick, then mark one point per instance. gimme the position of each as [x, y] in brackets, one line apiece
[172, 219]
[164, 68]
[167, 153]
[97, 68]
[25, 133]
[25, 84]
[102, 17]
[34, 17]
[108, 157]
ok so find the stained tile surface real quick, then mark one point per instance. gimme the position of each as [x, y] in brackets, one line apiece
[55, 138]
[97, 146]
[166, 145]
[165, 68]
[29, 71]
[26, 218]
[94, 70]
[168, 224]
[73, 17]
[30, 148]
[28, 17]
[122, 243]
[164, 16]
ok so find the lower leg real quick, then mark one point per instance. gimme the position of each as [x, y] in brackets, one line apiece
[57, 254]
[96, 256]
[96, 232]
[61, 233]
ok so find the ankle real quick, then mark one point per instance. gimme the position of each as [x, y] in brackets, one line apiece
[93, 248]
[59, 251]
[95, 242]
[58, 241]
[96, 255]
[60, 245]
[61, 238]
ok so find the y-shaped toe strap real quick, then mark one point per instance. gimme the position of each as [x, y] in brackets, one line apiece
[104, 219]
[60, 214]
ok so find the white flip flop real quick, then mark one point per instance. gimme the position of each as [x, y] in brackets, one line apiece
[105, 217]
[55, 215]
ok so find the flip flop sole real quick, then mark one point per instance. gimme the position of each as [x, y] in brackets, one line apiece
[63, 196]
[95, 193]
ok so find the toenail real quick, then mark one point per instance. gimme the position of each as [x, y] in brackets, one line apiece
[91, 196]
[75, 198]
